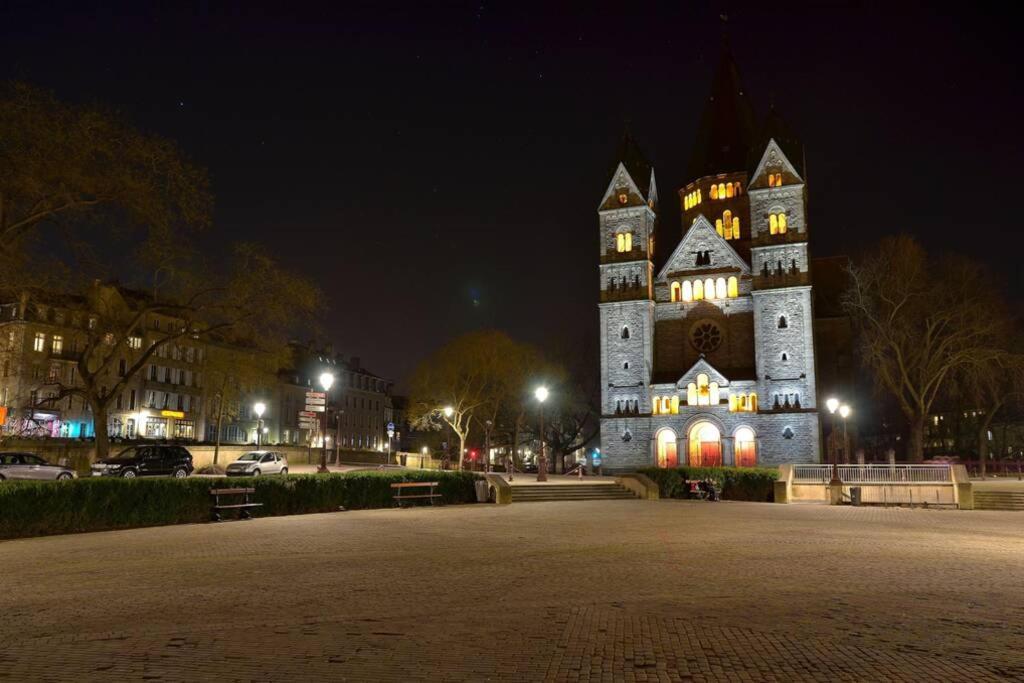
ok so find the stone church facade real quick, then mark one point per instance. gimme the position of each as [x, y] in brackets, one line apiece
[707, 347]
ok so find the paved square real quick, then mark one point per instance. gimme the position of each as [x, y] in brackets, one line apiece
[604, 590]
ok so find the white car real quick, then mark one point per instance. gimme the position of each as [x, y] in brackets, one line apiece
[255, 463]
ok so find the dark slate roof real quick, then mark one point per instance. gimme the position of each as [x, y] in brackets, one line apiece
[775, 128]
[727, 125]
[633, 159]
[732, 374]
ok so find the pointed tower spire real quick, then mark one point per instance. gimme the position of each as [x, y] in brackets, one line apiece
[630, 156]
[727, 127]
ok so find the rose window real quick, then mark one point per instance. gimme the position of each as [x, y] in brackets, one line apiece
[706, 336]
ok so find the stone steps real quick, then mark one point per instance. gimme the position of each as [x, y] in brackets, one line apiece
[999, 500]
[528, 493]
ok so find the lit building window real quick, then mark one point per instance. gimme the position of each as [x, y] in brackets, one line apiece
[718, 227]
[623, 198]
[676, 291]
[720, 289]
[733, 287]
[739, 189]
[624, 242]
[57, 344]
[743, 403]
[774, 180]
[745, 447]
[721, 191]
[40, 342]
[703, 392]
[777, 223]
[714, 191]
[135, 342]
[729, 190]
[698, 290]
[687, 291]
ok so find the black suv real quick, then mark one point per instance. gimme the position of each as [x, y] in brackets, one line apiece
[146, 461]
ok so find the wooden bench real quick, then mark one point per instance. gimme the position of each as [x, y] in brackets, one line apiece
[243, 507]
[400, 489]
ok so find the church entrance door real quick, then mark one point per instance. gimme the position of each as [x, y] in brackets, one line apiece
[705, 445]
[667, 449]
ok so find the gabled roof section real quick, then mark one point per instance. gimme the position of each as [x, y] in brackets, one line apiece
[773, 156]
[702, 236]
[727, 126]
[775, 128]
[702, 366]
[631, 170]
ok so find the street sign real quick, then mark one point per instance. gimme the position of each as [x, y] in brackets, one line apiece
[307, 413]
[313, 401]
[314, 409]
[391, 430]
[315, 394]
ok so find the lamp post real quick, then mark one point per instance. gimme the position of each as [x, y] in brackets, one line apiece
[844, 412]
[833, 405]
[541, 395]
[448, 412]
[259, 409]
[326, 380]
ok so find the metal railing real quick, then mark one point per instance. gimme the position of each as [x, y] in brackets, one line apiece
[874, 474]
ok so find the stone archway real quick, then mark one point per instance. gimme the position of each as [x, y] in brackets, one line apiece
[666, 449]
[745, 447]
[705, 445]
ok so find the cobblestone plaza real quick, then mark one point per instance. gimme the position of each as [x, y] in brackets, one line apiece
[604, 590]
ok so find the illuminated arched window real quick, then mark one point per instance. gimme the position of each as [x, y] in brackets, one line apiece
[729, 190]
[753, 401]
[620, 243]
[782, 223]
[721, 190]
[698, 196]
[655, 403]
[703, 390]
[732, 403]
[709, 289]
[714, 191]
[698, 290]
[773, 224]
[623, 198]
[720, 289]
[713, 396]
[686, 202]
[691, 394]
[718, 226]
[735, 227]
[675, 291]
[665, 405]
[733, 287]
[687, 291]
[629, 241]
[745, 447]
[674, 405]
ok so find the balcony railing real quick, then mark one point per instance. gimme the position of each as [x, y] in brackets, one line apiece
[874, 474]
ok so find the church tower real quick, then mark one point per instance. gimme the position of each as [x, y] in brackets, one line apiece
[627, 217]
[780, 264]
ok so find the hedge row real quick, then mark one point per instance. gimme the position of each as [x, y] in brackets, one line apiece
[98, 504]
[734, 483]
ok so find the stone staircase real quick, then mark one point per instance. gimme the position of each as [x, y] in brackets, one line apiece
[530, 493]
[998, 500]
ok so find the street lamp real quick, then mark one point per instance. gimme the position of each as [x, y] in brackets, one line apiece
[326, 380]
[259, 409]
[844, 412]
[448, 411]
[541, 394]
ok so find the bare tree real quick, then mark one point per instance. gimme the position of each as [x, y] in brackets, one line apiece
[992, 384]
[920, 320]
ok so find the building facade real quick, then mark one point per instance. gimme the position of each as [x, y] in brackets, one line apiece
[707, 344]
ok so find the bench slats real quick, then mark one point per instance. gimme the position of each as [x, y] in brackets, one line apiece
[413, 483]
[424, 495]
[230, 492]
[240, 505]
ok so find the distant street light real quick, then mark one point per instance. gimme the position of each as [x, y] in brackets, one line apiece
[326, 380]
[259, 409]
[541, 395]
[448, 411]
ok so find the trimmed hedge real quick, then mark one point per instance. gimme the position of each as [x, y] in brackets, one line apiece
[99, 504]
[734, 483]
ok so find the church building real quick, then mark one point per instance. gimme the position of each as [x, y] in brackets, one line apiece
[707, 340]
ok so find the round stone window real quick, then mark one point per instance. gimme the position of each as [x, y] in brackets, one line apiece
[706, 336]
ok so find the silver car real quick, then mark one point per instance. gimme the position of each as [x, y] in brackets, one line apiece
[255, 463]
[32, 467]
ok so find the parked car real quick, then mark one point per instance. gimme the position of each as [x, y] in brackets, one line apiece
[29, 466]
[146, 461]
[255, 463]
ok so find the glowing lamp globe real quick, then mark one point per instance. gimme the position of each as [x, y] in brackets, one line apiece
[541, 393]
[832, 404]
[844, 411]
[326, 380]
[259, 409]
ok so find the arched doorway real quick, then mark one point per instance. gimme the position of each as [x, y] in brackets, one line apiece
[667, 449]
[705, 445]
[745, 447]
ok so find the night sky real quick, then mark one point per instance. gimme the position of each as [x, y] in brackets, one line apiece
[438, 169]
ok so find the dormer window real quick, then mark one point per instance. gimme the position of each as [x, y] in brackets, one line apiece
[728, 226]
[623, 198]
[774, 180]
